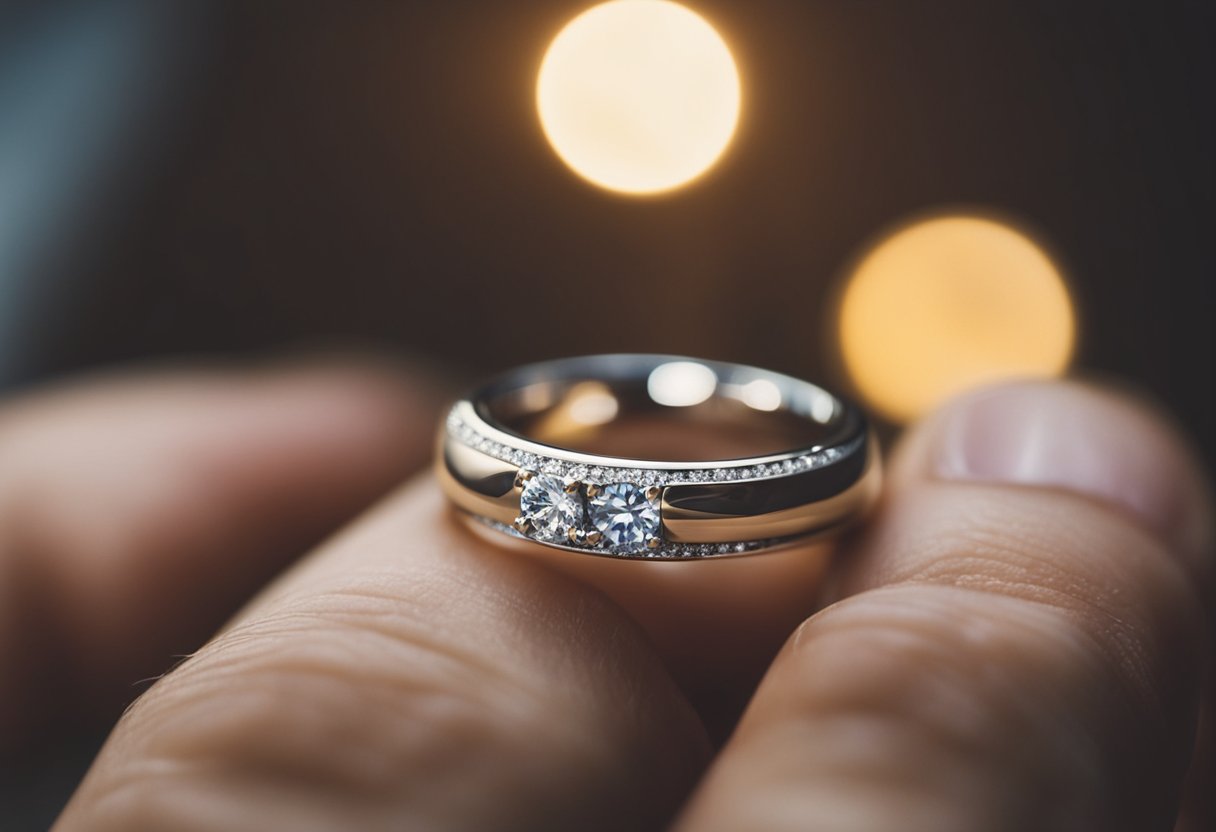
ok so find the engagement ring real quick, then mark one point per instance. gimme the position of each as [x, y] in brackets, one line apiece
[657, 457]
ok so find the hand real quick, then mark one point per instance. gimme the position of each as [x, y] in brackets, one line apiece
[1017, 641]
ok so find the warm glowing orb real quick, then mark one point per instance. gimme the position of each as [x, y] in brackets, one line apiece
[949, 303]
[638, 96]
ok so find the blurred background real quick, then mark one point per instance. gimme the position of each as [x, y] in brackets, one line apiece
[237, 178]
[214, 177]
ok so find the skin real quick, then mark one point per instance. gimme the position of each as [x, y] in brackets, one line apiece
[999, 652]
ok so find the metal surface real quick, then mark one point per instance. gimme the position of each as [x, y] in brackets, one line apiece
[740, 504]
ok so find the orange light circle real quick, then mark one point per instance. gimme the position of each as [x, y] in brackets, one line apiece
[638, 96]
[948, 303]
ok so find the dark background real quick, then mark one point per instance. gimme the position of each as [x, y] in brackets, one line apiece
[280, 174]
[375, 173]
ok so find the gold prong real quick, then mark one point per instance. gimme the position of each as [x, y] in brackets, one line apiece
[592, 489]
[522, 476]
[522, 524]
[575, 535]
[593, 537]
[573, 486]
[652, 543]
[653, 492]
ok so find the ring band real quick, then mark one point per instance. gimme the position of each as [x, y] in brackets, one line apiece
[521, 454]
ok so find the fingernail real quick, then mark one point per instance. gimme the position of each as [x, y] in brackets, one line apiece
[1081, 439]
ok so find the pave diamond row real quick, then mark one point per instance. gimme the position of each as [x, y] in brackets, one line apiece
[665, 550]
[602, 474]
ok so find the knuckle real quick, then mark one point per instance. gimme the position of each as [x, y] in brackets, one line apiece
[355, 662]
[920, 681]
[350, 690]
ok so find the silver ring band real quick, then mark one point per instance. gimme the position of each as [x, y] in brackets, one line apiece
[515, 455]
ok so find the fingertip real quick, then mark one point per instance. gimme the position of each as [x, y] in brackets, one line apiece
[1018, 623]
[354, 394]
[139, 509]
[1096, 440]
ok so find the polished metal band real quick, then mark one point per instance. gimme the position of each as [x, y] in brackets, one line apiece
[626, 507]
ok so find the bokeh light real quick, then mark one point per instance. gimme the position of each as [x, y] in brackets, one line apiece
[638, 96]
[947, 303]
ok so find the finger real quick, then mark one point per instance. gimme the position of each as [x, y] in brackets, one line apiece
[137, 512]
[716, 623]
[406, 676]
[1022, 649]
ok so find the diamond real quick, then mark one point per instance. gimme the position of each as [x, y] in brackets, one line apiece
[551, 510]
[623, 515]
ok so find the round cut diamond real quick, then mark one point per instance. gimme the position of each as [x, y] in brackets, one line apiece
[549, 508]
[624, 516]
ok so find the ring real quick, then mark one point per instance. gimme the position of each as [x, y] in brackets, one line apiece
[657, 457]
